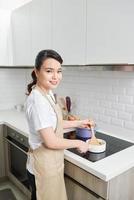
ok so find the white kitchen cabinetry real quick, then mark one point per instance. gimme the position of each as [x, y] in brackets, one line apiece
[21, 34]
[83, 32]
[110, 32]
[92, 187]
[41, 26]
[46, 24]
[69, 29]
[2, 155]
[5, 38]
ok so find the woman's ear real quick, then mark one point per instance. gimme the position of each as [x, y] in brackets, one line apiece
[36, 73]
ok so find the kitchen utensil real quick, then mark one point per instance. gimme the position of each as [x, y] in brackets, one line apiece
[63, 102]
[93, 138]
[95, 148]
[68, 104]
[83, 133]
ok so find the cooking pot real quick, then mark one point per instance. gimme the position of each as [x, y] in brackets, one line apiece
[95, 148]
[96, 156]
[83, 133]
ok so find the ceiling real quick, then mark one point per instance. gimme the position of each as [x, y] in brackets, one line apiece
[12, 4]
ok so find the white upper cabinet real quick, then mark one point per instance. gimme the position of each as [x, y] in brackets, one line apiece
[5, 38]
[41, 26]
[110, 31]
[69, 30]
[21, 35]
[82, 31]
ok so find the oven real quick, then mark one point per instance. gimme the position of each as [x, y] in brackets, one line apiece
[16, 145]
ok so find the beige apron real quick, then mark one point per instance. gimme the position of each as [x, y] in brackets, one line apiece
[48, 166]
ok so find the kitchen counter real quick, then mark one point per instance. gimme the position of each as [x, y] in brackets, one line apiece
[17, 121]
[104, 169]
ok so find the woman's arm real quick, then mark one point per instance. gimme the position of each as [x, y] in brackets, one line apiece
[51, 141]
[71, 124]
[78, 123]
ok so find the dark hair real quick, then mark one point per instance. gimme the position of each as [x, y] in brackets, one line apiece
[40, 58]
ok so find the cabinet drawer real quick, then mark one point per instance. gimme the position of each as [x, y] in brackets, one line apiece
[75, 191]
[86, 179]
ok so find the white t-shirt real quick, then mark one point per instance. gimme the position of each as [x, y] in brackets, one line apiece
[39, 114]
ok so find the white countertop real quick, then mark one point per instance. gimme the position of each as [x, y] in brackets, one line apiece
[105, 169]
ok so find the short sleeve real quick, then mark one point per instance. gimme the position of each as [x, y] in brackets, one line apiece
[40, 115]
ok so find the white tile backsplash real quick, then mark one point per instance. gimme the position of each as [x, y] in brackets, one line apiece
[12, 87]
[105, 96]
[129, 108]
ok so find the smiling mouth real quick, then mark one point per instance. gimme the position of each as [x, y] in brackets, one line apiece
[54, 83]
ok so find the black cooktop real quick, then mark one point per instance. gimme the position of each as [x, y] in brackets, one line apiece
[113, 145]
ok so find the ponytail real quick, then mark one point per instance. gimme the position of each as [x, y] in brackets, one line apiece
[30, 85]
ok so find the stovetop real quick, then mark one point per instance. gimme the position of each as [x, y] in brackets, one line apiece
[113, 145]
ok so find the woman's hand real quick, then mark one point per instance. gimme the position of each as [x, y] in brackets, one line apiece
[86, 123]
[82, 147]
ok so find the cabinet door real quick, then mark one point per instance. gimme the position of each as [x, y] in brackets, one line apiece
[5, 38]
[110, 32]
[2, 155]
[76, 191]
[41, 26]
[69, 29]
[21, 34]
[89, 181]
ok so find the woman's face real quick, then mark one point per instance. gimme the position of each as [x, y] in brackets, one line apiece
[49, 75]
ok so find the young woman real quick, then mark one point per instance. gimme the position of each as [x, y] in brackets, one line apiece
[45, 163]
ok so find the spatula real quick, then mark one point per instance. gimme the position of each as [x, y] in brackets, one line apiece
[93, 139]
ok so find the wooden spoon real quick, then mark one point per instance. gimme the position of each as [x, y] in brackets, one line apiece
[93, 138]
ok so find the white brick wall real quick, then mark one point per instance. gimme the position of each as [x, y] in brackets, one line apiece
[105, 96]
[12, 87]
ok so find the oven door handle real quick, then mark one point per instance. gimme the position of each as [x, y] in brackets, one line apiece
[7, 140]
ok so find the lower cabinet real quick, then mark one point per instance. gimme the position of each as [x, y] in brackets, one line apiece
[75, 191]
[82, 185]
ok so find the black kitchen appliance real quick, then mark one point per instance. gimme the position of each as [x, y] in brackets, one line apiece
[17, 145]
[113, 145]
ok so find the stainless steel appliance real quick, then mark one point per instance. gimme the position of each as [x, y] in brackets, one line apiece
[17, 147]
[113, 145]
